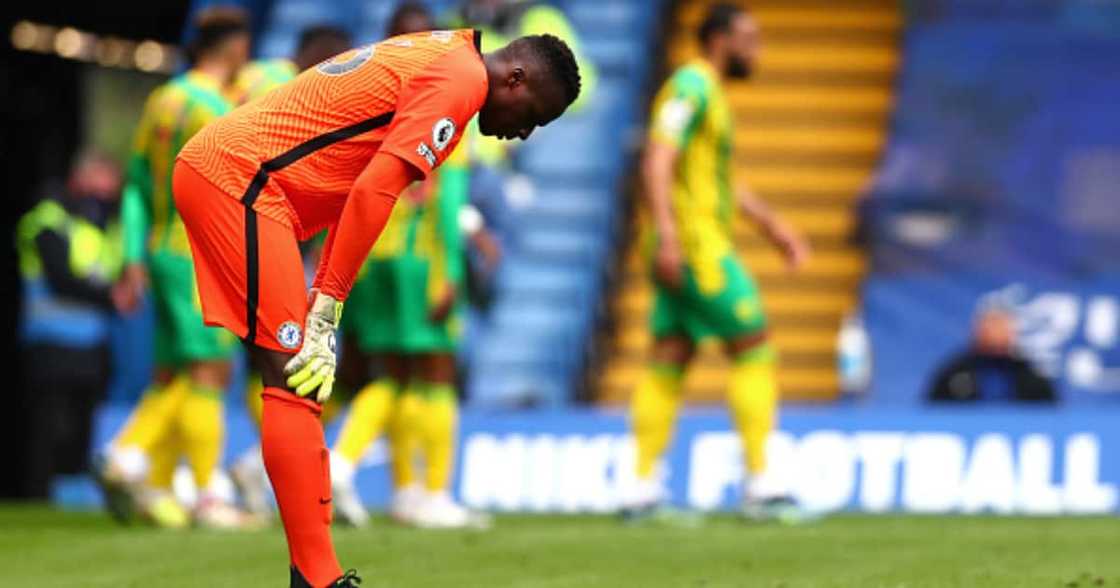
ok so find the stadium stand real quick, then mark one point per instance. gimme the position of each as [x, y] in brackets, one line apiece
[998, 186]
[552, 280]
[811, 126]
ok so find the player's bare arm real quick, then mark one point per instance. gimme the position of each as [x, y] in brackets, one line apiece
[657, 173]
[792, 245]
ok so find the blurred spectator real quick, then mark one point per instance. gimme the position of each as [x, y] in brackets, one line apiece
[69, 256]
[409, 17]
[504, 20]
[991, 369]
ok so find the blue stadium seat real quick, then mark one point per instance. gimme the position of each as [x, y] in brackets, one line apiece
[552, 281]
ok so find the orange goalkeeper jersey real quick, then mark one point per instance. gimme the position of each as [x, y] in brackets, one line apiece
[307, 142]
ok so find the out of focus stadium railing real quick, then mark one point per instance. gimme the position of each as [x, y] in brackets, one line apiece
[810, 129]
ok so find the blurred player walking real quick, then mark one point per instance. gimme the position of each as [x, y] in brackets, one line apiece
[406, 311]
[702, 289]
[405, 314]
[182, 410]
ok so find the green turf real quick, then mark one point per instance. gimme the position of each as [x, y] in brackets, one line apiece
[42, 547]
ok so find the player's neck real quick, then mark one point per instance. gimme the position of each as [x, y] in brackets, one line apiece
[214, 69]
[718, 63]
[492, 62]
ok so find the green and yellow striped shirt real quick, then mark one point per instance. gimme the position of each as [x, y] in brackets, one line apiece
[691, 114]
[173, 113]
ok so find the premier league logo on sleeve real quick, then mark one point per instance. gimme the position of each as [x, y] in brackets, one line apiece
[442, 133]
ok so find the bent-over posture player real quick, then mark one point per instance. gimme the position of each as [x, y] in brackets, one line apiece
[332, 149]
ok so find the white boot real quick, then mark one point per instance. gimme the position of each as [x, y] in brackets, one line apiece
[765, 499]
[347, 504]
[252, 482]
[760, 487]
[212, 512]
[406, 504]
[647, 494]
[440, 511]
[120, 472]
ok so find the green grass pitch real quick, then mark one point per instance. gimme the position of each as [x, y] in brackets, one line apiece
[43, 547]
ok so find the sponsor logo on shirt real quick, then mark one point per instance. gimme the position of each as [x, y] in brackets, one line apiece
[426, 152]
[442, 133]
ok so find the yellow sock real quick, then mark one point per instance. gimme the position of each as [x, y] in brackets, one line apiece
[253, 401]
[653, 409]
[753, 399]
[152, 416]
[369, 412]
[404, 438]
[163, 457]
[202, 426]
[439, 427]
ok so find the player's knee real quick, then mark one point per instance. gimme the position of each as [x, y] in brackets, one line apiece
[163, 375]
[212, 374]
[439, 368]
[397, 366]
[673, 350]
[270, 364]
[743, 343]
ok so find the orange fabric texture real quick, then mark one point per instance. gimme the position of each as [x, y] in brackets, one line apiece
[410, 96]
[216, 230]
[366, 212]
[295, 455]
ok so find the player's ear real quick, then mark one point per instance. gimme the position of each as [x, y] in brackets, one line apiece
[516, 77]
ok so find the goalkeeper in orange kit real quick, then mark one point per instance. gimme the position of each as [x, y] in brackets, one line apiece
[332, 149]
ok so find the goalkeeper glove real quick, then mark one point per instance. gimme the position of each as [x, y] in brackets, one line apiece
[313, 367]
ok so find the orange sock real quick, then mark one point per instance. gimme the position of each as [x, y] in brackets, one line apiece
[295, 455]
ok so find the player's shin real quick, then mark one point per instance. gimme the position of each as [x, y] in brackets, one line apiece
[202, 427]
[753, 400]
[404, 426]
[253, 402]
[653, 409]
[404, 441]
[369, 413]
[297, 460]
[157, 503]
[441, 422]
[149, 422]
[127, 463]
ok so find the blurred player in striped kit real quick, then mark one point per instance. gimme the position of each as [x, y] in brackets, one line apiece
[405, 314]
[702, 289]
[181, 413]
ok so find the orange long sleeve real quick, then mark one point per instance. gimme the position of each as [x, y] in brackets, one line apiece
[364, 215]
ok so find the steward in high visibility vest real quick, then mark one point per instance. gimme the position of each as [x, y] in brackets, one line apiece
[69, 260]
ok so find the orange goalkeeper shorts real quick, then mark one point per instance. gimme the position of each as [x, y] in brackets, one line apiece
[248, 267]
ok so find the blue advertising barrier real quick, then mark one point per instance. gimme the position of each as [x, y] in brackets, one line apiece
[995, 459]
[1069, 330]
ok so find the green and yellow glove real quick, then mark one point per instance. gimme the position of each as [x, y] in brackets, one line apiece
[313, 367]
